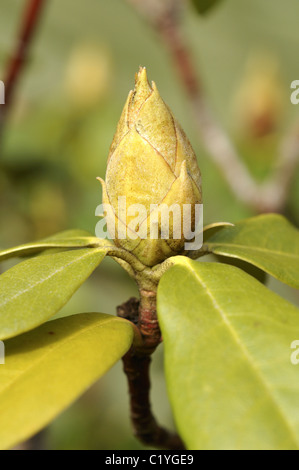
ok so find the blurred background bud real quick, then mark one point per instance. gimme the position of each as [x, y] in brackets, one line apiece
[259, 100]
[88, 75]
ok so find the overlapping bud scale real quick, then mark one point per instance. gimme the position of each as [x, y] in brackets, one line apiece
[151, 161]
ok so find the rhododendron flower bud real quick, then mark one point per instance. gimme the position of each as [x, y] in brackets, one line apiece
[151, 166]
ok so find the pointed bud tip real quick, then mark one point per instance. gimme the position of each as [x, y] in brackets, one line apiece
[184, 174]
[141, 74]
[141, 80]
[140, 94]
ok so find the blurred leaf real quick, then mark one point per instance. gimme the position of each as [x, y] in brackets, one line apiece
[203, 6]
[67, 239]
[36, 289]
[269, 242]
[227, 345]
[48, 368]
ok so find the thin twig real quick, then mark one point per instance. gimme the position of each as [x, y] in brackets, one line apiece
[30, 20]
[269, 196]
[137, 367]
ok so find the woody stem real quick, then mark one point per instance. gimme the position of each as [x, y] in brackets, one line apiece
[148, 322]
[136, 365]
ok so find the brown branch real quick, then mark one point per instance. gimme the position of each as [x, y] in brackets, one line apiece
[30, 20]
[148, 322]
[137, 367]
[269, 196]
[277, 187]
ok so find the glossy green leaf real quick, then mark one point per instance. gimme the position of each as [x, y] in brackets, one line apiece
[66, 239]
[227, 342]
[212, 229]
[204, 6]
[48, 368]
[269, 242]
[36, 289]
[259, 274]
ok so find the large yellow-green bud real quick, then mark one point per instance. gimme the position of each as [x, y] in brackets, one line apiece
[151, 162]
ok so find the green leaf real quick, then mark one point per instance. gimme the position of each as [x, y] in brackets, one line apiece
[212, 229]
[259, 274]
[269, 242]
[204, 6]
[36, 289]
[66, 239]
[47, 369]
[227, 342]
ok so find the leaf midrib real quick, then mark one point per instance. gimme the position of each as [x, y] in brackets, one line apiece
[38, 283]
[222, 245]
[248, 357]
[50, 350]
[71, 242]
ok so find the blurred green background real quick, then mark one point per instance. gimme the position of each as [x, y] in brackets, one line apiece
[81, 68]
